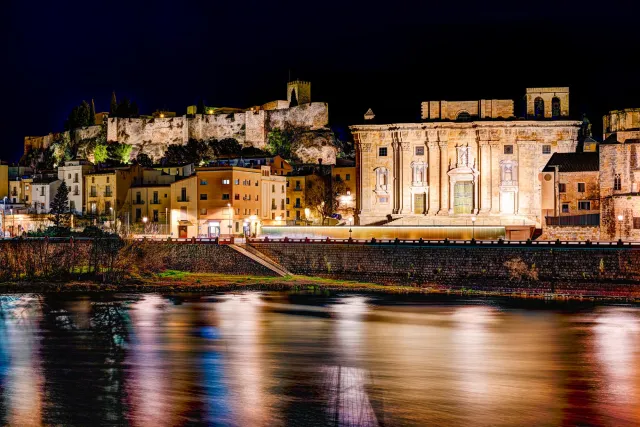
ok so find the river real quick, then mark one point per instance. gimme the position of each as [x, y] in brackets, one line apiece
[270, 359]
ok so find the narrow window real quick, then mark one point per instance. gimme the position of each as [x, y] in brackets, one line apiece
[584, 206]
[538, 107]
[420, 150]
[562, 188]
[546, 149]
[565, 208]
[581, 187]
[203, 197]
[508, 149]
[382, 151]
[617, 182]
[555, 107]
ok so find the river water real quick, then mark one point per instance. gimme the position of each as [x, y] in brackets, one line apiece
[270, 359]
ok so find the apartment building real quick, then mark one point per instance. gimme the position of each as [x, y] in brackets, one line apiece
[274, 194]
[43, 189]
[106, 190]
[183, 215]
[295, 203]
[72, 173]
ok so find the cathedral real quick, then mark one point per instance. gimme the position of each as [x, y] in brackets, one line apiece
[465, 161]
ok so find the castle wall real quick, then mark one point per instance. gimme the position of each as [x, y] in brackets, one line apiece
[314, 115]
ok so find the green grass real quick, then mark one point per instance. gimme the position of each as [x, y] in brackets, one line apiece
[173, 274]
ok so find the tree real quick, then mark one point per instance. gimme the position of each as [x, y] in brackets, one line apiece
[133, 110]
[279, 142]
[225, 147]
[119, 153]
[175, 155]
[197, 151]
[319, 197]
[113, 109]
[80, 116]
[144, 160]
[60, 206]
[100, 153]
[92, 113]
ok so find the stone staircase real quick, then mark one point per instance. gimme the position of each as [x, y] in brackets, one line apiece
[261, 259]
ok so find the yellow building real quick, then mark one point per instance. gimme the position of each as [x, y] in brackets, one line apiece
[274, 194]
[183, 216]
[107, 189]
[4, 181]
[148, 208]
[344, 187]
[295, 201]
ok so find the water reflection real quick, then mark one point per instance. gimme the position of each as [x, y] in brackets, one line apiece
[275, 359]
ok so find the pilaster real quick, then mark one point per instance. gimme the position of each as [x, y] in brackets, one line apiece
[485, 177]
[434, 177]
[444, 178]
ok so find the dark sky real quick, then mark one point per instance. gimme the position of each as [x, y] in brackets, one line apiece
[388, 56]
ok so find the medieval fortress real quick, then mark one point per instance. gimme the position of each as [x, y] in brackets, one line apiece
[250, 127]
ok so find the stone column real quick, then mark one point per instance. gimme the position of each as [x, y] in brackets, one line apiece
[495, 178]
[396, 173]
[475, 194]
[485, 177]
[444, 178]
[526, 176]
[434, 177]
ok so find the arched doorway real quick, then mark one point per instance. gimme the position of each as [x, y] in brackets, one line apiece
[538, 108]
[555, 107]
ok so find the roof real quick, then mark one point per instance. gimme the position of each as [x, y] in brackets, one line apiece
[573, 162]
[613, 139]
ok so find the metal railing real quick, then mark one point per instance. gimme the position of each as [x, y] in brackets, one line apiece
[447, 242]
[587, 220]
[183, 199]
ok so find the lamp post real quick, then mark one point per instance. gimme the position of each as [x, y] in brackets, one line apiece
[253, 218]
[620, 219]
[473, 227]
[144, 227]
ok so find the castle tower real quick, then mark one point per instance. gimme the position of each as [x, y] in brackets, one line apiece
[298, 92]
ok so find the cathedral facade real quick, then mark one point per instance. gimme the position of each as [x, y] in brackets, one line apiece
[469, 159]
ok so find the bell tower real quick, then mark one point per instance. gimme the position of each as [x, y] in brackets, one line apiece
[298, 92]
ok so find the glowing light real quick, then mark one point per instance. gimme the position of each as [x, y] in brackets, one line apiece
[145, 219]
[162, 116]
[620, 218]
[279, 218]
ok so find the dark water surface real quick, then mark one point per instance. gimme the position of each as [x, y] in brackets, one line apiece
[270, 359]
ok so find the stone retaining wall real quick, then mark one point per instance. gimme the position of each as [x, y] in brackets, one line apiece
[546, 268]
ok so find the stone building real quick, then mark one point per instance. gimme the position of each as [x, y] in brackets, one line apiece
[620, 175]
[464, 159]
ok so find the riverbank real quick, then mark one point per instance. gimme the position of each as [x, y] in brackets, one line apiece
[180, 281]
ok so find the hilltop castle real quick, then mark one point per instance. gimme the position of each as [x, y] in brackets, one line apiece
[151, 135]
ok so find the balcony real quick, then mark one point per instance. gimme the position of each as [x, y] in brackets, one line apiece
[297, 188]
[154, 202]
[297, 206]
[108, 194]
[183, 199]
[93, 194]
[138, 202]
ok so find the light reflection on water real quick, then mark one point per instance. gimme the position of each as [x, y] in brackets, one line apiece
[273, 359]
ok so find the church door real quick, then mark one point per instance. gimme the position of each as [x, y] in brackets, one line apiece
[463, 197]
[419, 203]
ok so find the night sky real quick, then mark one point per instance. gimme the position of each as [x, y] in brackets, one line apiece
[388, 56]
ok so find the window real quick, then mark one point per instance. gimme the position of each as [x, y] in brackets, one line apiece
[538, 108]
[226, 182]
[107, 180]
[565, 208]
[236, 182]
[203, 197]
[581, 187]
[93, 180]
[584, 205]
[562, 188]
[237, 227]
[636, 223]
[420, 151]
[463, 116]
[273, 215]
[236, 197]
[138, 214]
[273, 188]
[203, 211]
[204, 181]
[155, 216]
[69, 176]
[287, 200]
[508, 149]
[225, 196]
[555, 107]
[617, 182]
[348, 178]
[546, 149]
[382, 151]
[72, 205]
[287, 214]
[155, 198]
[282, 204]
[282, 189]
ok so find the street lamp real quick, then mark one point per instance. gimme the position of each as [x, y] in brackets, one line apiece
[253, 218]
[144, 227]
[473, 225]
[620, 219]
[307, 214]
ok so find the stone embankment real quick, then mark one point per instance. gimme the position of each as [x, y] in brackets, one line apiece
[602, 270]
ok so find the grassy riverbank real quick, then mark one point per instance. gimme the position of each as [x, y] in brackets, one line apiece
[180, 281]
